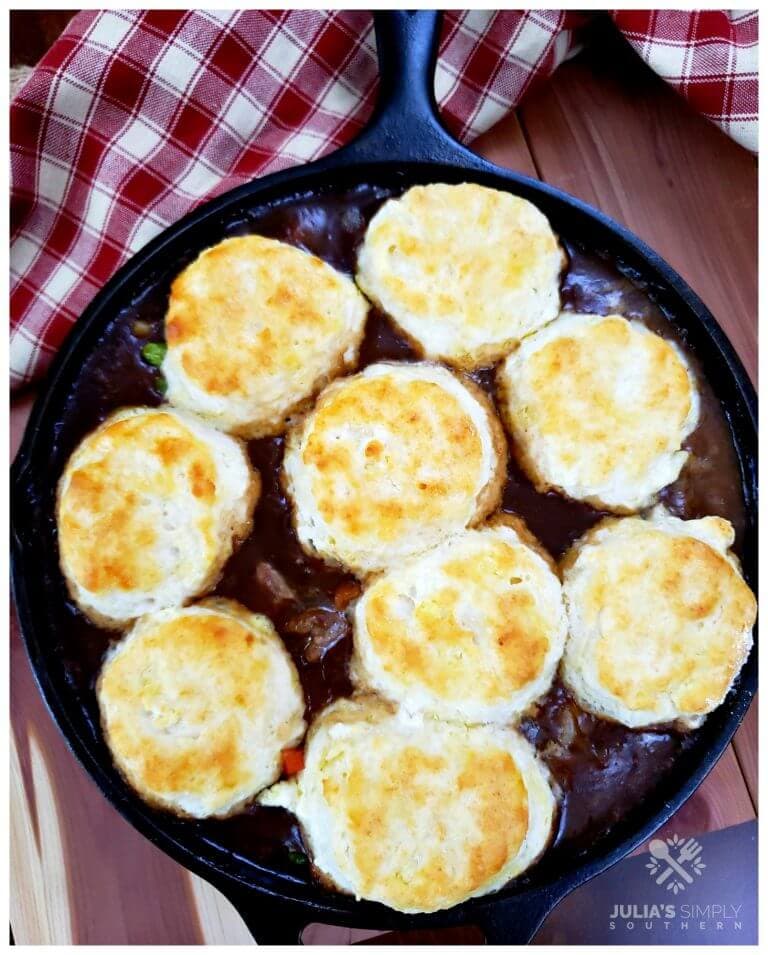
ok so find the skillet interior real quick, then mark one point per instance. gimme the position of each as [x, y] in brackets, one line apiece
[35, 563]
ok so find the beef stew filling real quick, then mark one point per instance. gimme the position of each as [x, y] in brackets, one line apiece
[602, 769]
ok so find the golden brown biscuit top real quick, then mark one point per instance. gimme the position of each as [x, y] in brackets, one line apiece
[473, 621]
[389, 455]
[600, 407]
[106, 532]
[181, 676]
[465, 270]
[672, 615]
[579, 364]
[197, 704]
[461, 269]
[249, 310]
[416, 812]
[387, 792]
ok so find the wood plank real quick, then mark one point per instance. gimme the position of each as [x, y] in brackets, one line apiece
[505, 145]
[217, 917]
[609, 131]
[39, 900]
[725, 799]
[98, 881]
[721, 801]
[745, 744]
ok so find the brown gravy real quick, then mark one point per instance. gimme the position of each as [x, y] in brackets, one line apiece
[603, 769]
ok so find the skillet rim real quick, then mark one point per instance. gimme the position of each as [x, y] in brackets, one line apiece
[317, 902]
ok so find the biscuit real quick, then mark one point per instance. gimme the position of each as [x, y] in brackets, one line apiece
[419, 815]
[390, 462]
[149, 508]
[660, 619]
[599, 408]
[197, 705]
[254, 328]
[465, 271]
[472, 630]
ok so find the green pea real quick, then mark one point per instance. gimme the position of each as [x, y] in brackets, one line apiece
[161, 385]
[153, 353]
[297, 858]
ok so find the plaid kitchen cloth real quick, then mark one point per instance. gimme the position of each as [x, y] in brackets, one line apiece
[135, 117]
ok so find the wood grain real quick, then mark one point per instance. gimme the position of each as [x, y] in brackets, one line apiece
[116, 884]
[505, 145]
[745, 746]
[606, 130]
[216, 916]
[612, 133]
[42, 912]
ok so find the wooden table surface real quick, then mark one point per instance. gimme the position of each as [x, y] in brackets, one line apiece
[604, 129]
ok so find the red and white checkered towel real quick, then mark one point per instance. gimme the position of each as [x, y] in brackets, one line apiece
[135, 117]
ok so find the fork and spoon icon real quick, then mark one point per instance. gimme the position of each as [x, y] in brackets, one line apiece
[689, 851]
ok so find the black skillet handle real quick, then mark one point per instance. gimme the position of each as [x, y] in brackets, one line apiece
[514, 921]
[271, 921]
[405, 124]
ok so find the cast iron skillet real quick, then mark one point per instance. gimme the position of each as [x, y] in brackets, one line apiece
[404, 144]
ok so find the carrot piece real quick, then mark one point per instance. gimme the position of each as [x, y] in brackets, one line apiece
[293, 761]
[345, 593]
